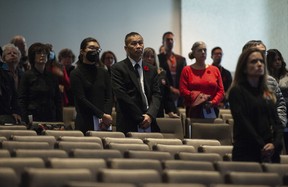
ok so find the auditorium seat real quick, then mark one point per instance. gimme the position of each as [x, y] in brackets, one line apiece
[198, 142]
[253, 178]
[210, 157]
[122, 163]
[125, 147]
[143, 135]
[129, 176]
[108, 140]
[225, 167]
[9, 178]
[99, 153]
[189, 176]
[11, 145]
[280, 169]
[221, 132]
[9, 133]
[97, 184]
[13, 127]
[19, 164]
[49, 139]
[68, 146]
[190, 121]
[166, 141]
[39, 153]
[188, 165]
[4, 153]
[173, 149]
[81, 139]
[36, 177]
[58, 133]
[170, 127]
[2, 138]
[103, 134]
[284, 159]
[93, 164]
[173, 185]
[155, 155]
[221, 150]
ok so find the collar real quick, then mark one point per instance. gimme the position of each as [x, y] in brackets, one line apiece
[134, 62]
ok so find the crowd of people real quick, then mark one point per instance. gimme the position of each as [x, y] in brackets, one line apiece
[35, 84]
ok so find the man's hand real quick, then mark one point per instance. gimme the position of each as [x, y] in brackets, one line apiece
[17, 118]
[146, 121]
[107, 119]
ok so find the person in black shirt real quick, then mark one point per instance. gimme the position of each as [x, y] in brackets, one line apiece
[39, 94]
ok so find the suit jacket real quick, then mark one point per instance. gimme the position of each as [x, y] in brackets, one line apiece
[127, 90]
[180, 64]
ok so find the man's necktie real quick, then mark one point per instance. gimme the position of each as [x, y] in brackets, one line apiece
[144, 98]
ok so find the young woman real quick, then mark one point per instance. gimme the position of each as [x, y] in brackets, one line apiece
[201, 85]
[257, 128]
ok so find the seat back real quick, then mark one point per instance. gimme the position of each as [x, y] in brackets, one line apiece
[155, 155]
[99, 153]
[93, 164]
[221, 132]
[9, 178]
[173, 149]
[9, 133]
[4, 153]
[188, 165]
[280, 169]
[108, 140]
[221, 150]
[167, 141]
[122, 163]
[58, 133]
[19, 164]
[129, 176]
[49, 139]
[189, 176]
[54, 177]
[13, 127]
[170, 127]
[198, 142]
[225, 167]
[125, 147]
[81, 139]
[97, 184]
[68, 146]
[44, 154]
[103, 134]
[210, 157]
[253, 178]
[143, 135]
[12, 145]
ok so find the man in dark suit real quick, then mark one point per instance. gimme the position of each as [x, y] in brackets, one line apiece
[173, 64]
[136, 90]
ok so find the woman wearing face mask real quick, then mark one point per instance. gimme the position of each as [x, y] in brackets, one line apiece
[91, 87]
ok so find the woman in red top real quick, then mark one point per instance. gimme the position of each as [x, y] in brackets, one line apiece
[201, 85]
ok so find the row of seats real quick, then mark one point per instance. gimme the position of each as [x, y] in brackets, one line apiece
[31, 171]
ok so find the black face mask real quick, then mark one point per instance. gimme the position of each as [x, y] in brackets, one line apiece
[92, 56]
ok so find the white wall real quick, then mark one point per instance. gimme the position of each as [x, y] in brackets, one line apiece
[231, 23]
[65, 23]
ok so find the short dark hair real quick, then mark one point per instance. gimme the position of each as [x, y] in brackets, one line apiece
[215, 48]
[34, 48]
[166, 33]
[129, 35]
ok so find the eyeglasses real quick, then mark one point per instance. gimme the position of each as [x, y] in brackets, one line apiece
[41, 53]
[94, 48]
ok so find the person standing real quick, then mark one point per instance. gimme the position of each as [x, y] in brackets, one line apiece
[201, 85]
[135, 85]
[39, 94]
[173, 64]
[91, 87]
[257, 130]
